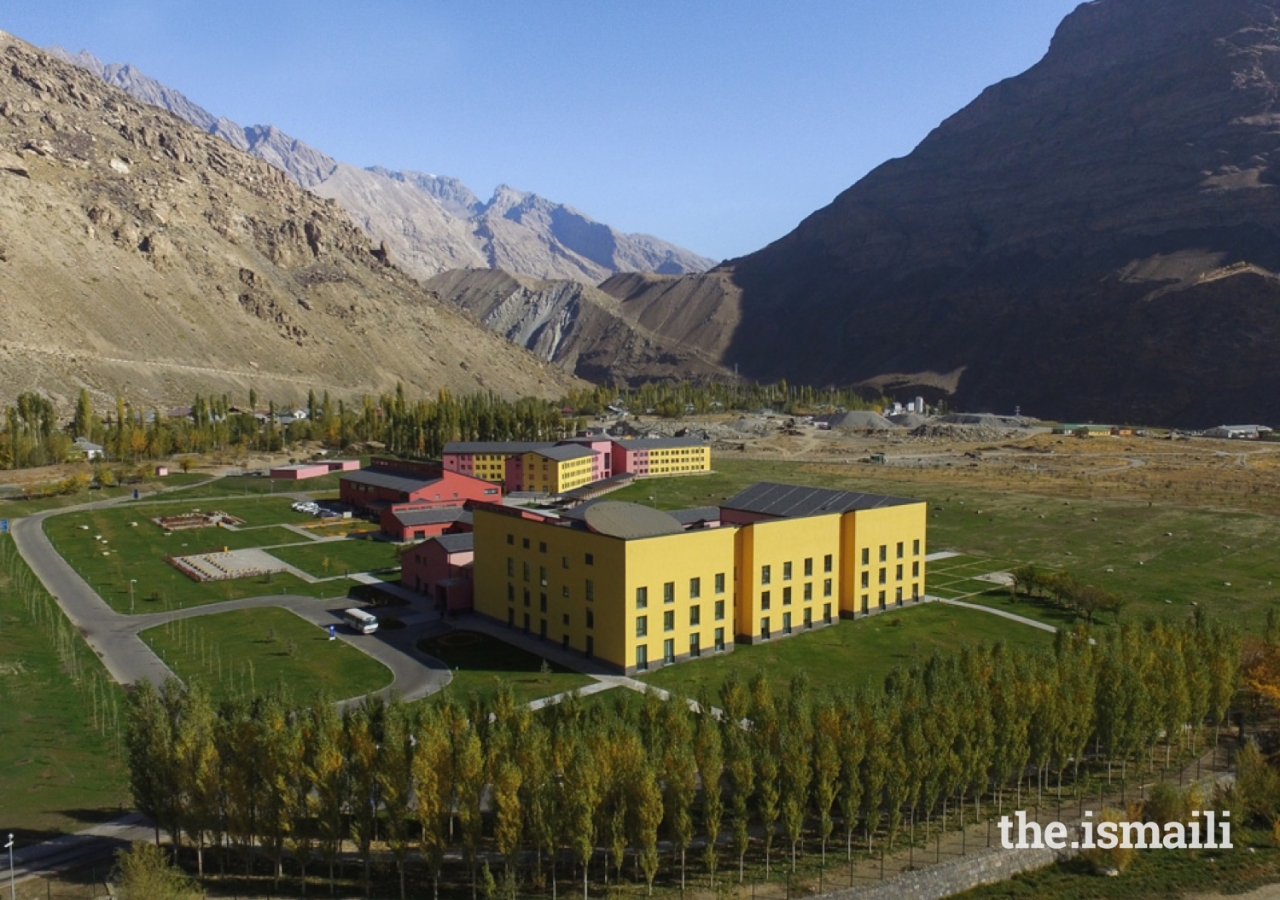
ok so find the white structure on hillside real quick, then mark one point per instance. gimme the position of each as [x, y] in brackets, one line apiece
[1238, 432]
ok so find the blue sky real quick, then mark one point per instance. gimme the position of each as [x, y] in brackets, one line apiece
[716, 125]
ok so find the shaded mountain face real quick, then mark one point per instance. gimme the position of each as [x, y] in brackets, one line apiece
[431, 223]
[145, 256]
[1095, 238]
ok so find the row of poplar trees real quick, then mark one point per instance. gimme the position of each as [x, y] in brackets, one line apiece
[769, 764]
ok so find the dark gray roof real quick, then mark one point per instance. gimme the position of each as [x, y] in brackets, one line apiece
[699, 514]
[659, 443]
[560, 454]
[411, 517]
[793, 501]
[389, 480]
[456, 543]
[496, 446]
[630, 521]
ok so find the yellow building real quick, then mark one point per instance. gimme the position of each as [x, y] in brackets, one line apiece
[554, 470]
[635, 587]
[622, 583]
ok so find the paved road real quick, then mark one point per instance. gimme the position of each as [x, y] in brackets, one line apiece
[114, 636]
[71, 850]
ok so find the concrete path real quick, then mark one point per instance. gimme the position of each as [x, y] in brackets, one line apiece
[1002, 614]
[71, 850]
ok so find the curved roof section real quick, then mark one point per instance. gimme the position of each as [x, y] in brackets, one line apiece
[630, 521]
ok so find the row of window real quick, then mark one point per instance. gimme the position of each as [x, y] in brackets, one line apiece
[766, 632]
[669, 648]
[669, 619]
[766, 597]
[669, 591]
[884, 574]
[766, 572]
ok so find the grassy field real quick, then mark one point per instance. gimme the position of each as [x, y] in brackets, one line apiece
[12, 509]
[138, 553]
[852, 653]
[484, 664]
[1148, 553]
[61, 766]
[245, 650]
[324, 560]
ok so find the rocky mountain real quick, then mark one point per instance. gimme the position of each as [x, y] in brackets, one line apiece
[585, 330]
[431, 223]
[1097, 237]
[144, 255]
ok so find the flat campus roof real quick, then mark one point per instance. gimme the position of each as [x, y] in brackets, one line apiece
[412, 517]
[456, 543]
[389, 480]
[793, 501]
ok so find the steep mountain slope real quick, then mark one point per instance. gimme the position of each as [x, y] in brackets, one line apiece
[580, 328]
[143, 255]
[1096, 237]
[430, 223]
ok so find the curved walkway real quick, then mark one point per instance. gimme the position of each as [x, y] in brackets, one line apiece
[114, 637]
[1034, 623]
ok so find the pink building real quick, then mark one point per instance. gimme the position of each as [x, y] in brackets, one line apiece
[301, 471]
[441, 570]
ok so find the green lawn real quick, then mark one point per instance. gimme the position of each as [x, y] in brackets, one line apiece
[330, 558]
[852, 653]
[1222, 560]
[252, 649]
[138, 552]
[251, 485]
[15, 508]
[61, 767]
[484, 664]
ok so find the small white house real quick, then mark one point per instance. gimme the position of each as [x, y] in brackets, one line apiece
[1238, 432]
[90, 450]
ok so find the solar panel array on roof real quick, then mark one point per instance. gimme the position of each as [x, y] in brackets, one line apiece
[792, 501]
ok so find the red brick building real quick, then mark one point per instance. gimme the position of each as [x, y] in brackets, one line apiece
[441, 569]
[388, 483]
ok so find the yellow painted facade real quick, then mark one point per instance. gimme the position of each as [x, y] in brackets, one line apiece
[490, 466]
[679, 460]
[884, 552]
[551, 476]
[639, 603]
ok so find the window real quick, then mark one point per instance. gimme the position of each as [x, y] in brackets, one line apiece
[884, 576]
[524, 542]
[915, 547]
[719, 582]
[880, 599]
[526, 623]
[900, 545]
[642, 657]
[591, 618]
[695, 615]
[564, 562]
[884, 552]
[866, 556]
[542, 632]
[915, 592]
[642, 626]
[542, 575]
[764, 574]
[764, 599]
[808, 618]
[826, 587]
[542, 546]
[511, 539]
[764, 628]
[826, 563]
[695, 648]
[866, 579]
[898, 574]
[669, 620]
[564, 592]
[642, 597]
[591, 590]
[719, 639]
[525, 570]
[915, 570]
[589, 559]
[786, 571]
[866, 603]
[511, 593]
[669, 592]
[695, 588]
[786, 623]
[719, 610]
[808, 567]
[898, 596]
[669, 651]
[826, 613]
[786, 596]
[808, 591]
[526, 596]
[511, 567]
[542, 602]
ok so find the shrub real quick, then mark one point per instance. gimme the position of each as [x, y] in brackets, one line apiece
[1117, 858]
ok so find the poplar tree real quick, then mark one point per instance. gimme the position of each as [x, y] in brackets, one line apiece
[679, 777]
[795, 741]
[739, 764]
[648, 816]
[329, 775]
[198, 766]
[433, 792]
[709, 752]
[581, 791]
[395, 779]
[360, 747]
[826, 767]
[508, 818]
[765, 738]
[852, 750]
